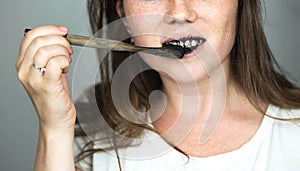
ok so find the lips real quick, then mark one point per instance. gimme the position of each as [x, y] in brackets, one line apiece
[187, 44]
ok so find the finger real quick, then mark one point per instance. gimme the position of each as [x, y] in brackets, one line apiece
[45, 53]
[35, 73]
[37, 32]
[31, 77]
[66, 70]
[55, 67]
[40, 43]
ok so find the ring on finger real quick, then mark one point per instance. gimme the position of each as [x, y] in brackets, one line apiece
[42, 69]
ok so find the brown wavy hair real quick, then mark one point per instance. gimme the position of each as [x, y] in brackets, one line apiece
[252, 66]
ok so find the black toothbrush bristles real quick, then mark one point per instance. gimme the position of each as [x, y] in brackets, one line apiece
[179, 51]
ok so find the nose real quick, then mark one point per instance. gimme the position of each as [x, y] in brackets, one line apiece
[180, 11]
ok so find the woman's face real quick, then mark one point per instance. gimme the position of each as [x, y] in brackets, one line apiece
[201, 25]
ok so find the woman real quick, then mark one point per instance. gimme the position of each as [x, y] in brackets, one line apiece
[242, 137]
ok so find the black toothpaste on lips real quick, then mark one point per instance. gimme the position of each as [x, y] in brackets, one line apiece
[184, 45]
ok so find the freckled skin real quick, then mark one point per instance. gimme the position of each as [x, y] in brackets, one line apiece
[214, 19]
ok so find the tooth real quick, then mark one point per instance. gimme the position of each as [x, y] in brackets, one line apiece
[175, 43]
[200, 42]
[181, 44]
[187, 43]
[172, 43]
[194, 43]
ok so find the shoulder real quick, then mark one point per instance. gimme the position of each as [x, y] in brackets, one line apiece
[285, 139]
[286, 122]
[283, 114]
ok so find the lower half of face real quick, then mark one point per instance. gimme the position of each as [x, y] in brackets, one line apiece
[204, 29]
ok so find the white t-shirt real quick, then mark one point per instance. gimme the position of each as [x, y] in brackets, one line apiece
[274, 147]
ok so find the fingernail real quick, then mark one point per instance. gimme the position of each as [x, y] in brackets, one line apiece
[63, 29]
[71, 50]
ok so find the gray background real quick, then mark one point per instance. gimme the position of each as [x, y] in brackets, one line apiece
[18, 122]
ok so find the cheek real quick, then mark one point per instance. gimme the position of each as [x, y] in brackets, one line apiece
[216, 20]
[140, 7]
[223, 30]
[228, 37]
[143, 19]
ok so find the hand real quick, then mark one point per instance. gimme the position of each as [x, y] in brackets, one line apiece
[49, 92]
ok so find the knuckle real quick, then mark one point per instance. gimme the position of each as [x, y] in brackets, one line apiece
[23, 79]
[20, 76]
[42, 52]
[61, 49]
[65, 62]
[52, 62]
[38, 40]
[59, 61]
[40, 55]
[66, 42]
[63, 42]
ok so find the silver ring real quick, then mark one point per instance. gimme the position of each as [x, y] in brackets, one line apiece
[42, 69]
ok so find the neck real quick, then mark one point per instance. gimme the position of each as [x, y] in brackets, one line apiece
[195, 99]
[203, 110]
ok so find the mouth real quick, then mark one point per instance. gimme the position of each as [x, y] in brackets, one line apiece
[187, 45]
